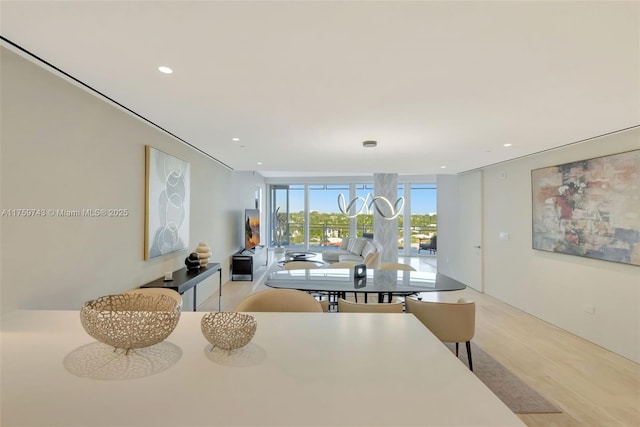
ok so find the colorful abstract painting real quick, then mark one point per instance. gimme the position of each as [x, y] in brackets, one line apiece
[589, 208]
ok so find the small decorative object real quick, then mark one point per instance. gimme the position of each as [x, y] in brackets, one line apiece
[227, 330]
[130, 320]
[168, 276]
[359, 276]
[204, 253]
[359, 271]
[192, 261]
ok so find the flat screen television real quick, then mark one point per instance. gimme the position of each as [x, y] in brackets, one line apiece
[251, 228]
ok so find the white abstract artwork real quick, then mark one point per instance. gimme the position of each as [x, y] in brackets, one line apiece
[167, 204]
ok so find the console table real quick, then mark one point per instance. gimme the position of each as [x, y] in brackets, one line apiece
[184, 279]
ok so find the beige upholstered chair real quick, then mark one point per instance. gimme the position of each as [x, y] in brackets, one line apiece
[306, 265]
[345, 306]
[330, 298]
[392, 266]
[155, 291]
[299, 265]
[284, 300]
[449, 322]
[372, 260]
[343, 264]
[395, 266]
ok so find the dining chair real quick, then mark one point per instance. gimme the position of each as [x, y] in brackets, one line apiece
[306, 265]
[281, 300]
[372, 260]
[331, 300]
[391, 266]
[449, 322]
[299, 265]
[158, 291]
[395, 266]
[345, 306]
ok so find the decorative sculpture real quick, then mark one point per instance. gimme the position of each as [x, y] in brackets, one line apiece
[204, 253]
[395, 209]
[192, 261]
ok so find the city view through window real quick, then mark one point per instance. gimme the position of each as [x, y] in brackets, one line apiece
[319, 223]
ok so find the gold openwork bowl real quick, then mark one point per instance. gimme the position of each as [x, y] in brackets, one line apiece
[130, 320]
[228, 331]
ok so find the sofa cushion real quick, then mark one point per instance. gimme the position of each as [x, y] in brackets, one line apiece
[333, 255]
[357, 246]
[359, 250]
[345, 243]
[369, 247]
[351, 257]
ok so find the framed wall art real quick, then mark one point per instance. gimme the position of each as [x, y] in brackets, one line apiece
[589, 208]
[167, 204]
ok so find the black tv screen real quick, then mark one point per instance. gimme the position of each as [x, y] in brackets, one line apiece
[251, 228]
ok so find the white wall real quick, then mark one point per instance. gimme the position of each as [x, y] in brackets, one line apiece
[62, 147]
[552, 286]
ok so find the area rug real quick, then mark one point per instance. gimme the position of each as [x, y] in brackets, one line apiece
[518, 396]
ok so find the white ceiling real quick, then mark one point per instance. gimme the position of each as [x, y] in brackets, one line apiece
[302, 84]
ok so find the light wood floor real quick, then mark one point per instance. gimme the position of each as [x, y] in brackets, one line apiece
[591, 385]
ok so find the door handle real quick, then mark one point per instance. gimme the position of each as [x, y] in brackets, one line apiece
[477, 247]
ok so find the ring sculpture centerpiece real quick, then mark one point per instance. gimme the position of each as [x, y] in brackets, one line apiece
[129, 321]
[388, 211]
[228, 330]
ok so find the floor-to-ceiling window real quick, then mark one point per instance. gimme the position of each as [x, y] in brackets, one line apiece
[306, 216]
[364, 221]
[287, 216]
[327, 226]
[424, 219]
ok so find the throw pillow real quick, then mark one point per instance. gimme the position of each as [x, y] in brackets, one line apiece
[345, 243]
[358, 246]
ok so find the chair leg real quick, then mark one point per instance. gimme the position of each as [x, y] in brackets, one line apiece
[469, 355]
[457, 349]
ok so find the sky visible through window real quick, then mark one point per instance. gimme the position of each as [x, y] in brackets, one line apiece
[423, 199]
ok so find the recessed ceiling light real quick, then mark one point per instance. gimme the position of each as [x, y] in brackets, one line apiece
[259, 163]
[507, 145]
[235, 139]
[165, 70]
[443, 167]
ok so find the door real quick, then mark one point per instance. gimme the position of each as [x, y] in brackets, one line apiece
[470, 230]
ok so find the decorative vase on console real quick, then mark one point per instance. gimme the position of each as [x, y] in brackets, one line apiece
[192, 261]
[204, 253]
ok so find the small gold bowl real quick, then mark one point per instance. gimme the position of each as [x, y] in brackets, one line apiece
[227, 330]
[130, 320]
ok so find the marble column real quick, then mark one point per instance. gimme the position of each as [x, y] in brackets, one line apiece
[386, 231]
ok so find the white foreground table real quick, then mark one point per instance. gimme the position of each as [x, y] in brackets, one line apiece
[301, 369]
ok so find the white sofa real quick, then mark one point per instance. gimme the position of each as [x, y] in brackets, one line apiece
[358, 249]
